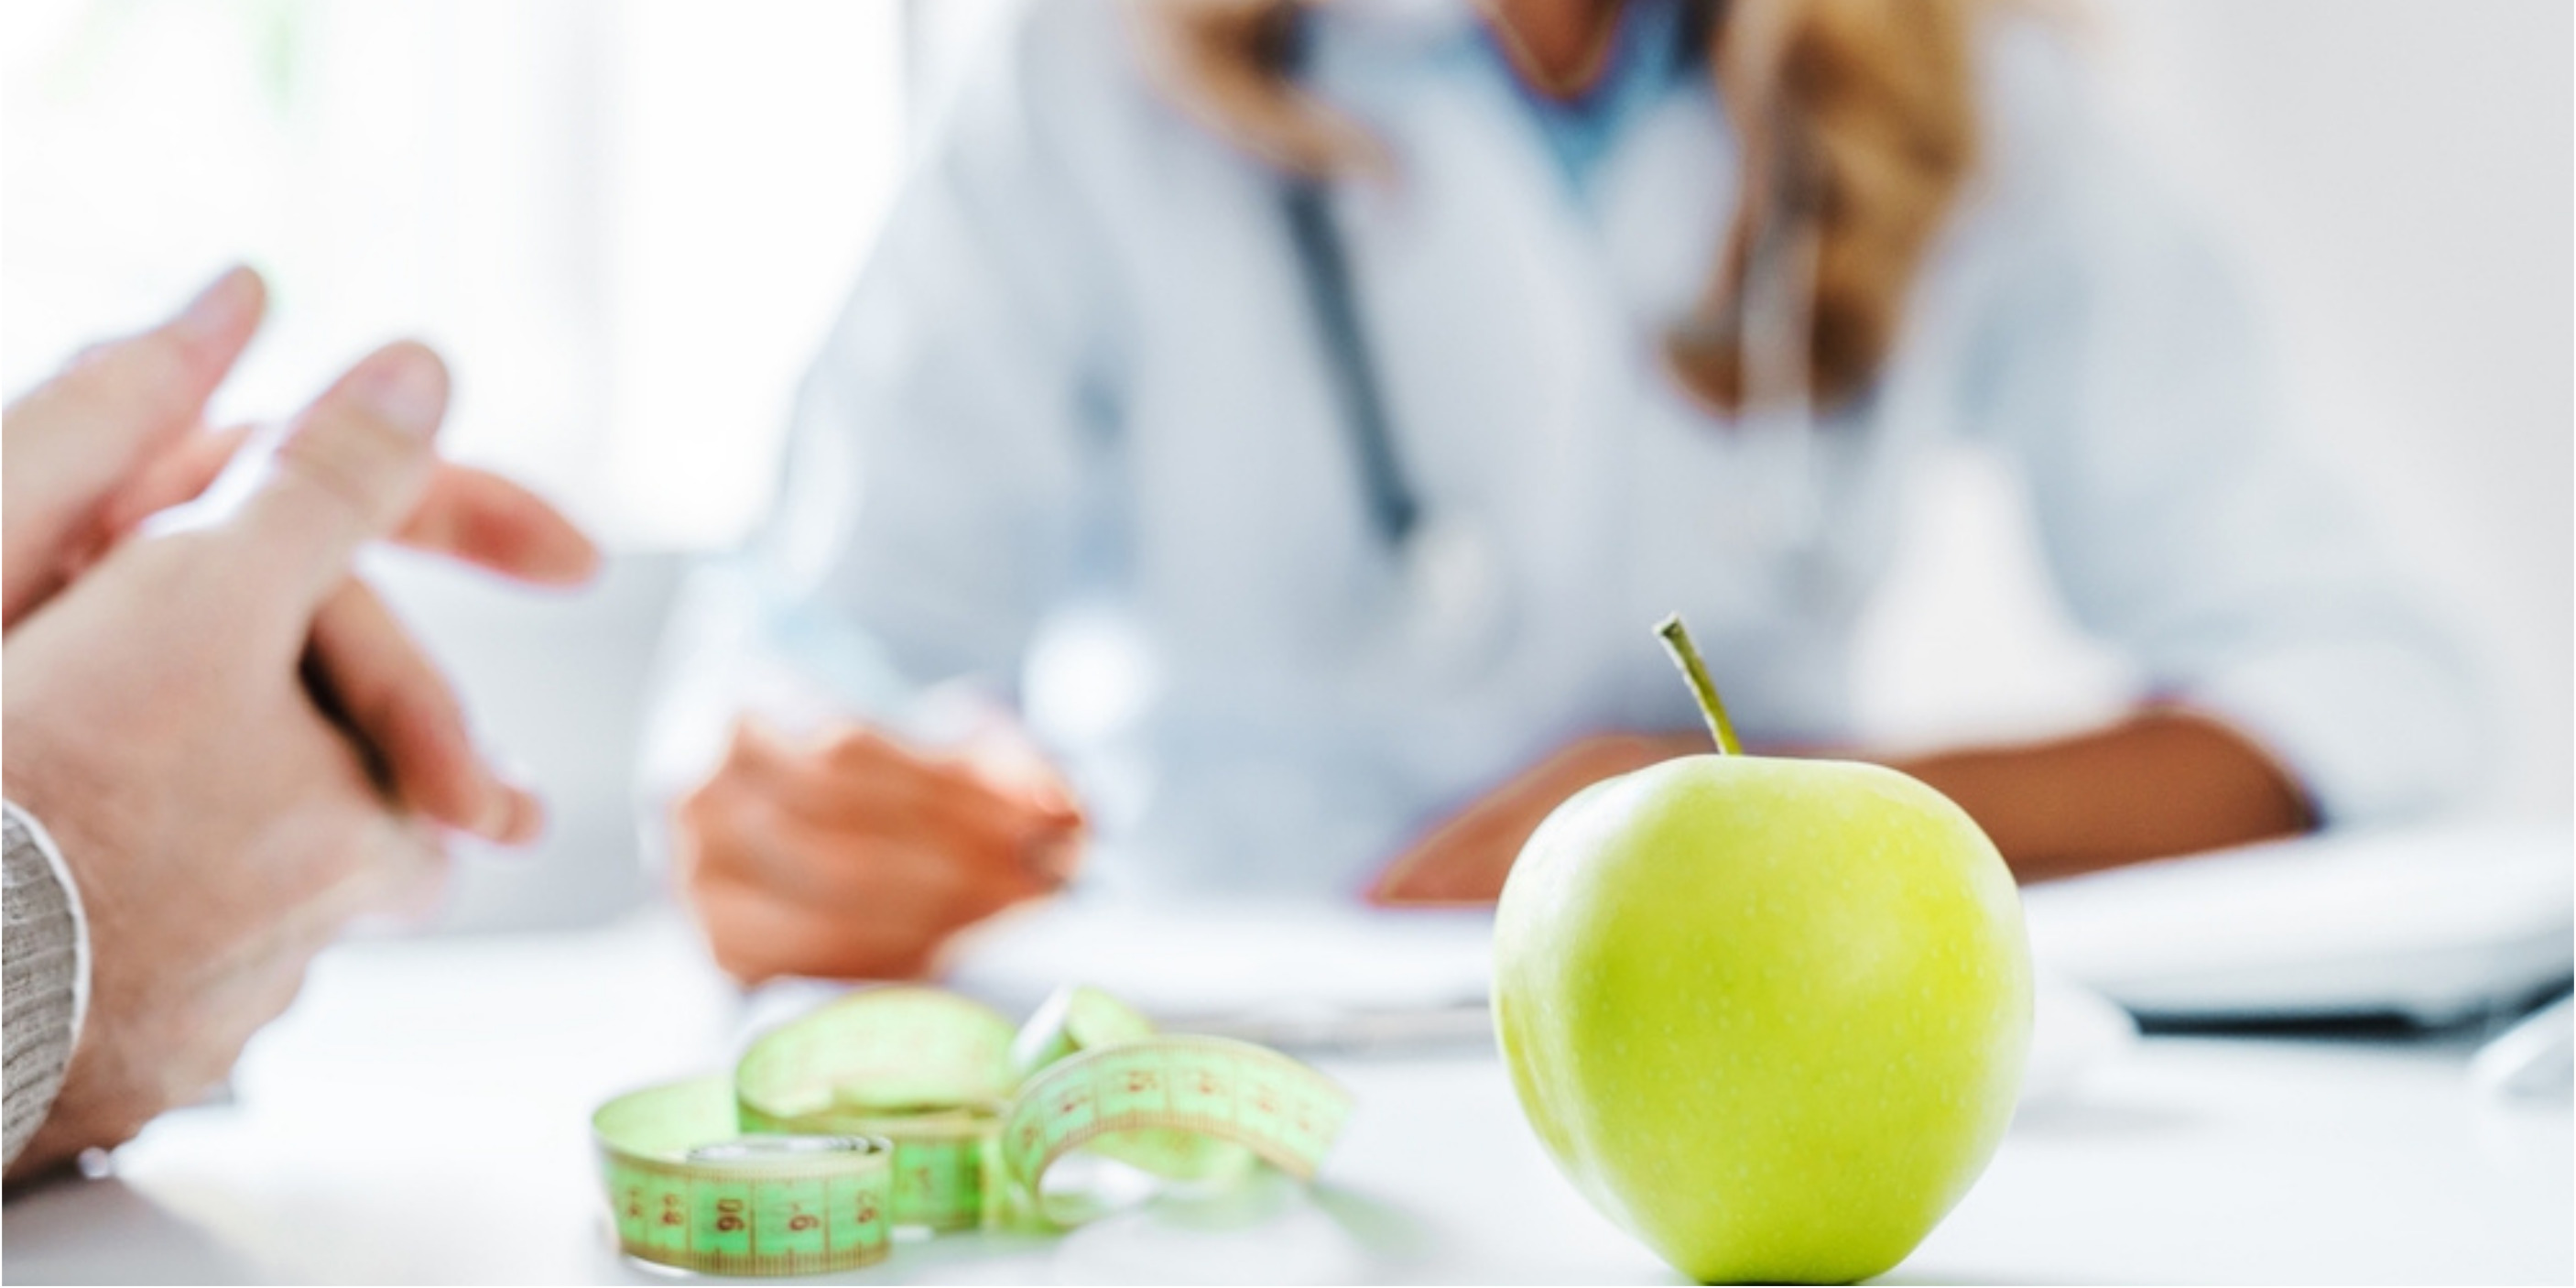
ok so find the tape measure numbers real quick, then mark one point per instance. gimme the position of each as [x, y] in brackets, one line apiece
[908, 1106]
[1180, 1093]
[686, 1188]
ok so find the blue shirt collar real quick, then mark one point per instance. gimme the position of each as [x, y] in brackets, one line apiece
[1654, 54]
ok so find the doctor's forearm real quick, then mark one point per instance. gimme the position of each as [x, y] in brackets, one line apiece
[2160, 783]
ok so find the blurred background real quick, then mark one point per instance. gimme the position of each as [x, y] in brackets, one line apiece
[627, 224]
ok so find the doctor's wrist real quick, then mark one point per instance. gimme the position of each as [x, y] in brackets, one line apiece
[2165, 781]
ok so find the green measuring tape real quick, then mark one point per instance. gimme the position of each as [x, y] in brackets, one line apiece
[915, 1107]
[687, 1188]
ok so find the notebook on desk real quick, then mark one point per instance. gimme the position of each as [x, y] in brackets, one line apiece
[1203, 960]
[1286, 973]
[2435, 924]
[1329, 979]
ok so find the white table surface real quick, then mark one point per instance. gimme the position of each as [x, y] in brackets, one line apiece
[422, 1117]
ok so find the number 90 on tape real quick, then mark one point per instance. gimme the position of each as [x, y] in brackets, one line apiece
[685, 1189]
[913, 1107]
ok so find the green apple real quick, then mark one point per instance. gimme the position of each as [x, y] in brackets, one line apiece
[1768, 1014]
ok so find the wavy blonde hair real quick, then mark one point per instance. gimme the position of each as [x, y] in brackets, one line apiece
[1856, 122]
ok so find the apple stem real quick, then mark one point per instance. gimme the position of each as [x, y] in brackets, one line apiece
[1677, 641]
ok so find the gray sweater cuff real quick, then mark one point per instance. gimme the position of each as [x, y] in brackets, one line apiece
[44, 973]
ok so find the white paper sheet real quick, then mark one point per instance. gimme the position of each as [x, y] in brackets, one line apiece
[1343, 979]
[2437, 923]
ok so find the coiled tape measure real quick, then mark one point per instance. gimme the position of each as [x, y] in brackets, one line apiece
[916, 1107]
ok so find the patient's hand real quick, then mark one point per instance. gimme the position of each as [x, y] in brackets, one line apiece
[1464, 860]
[220, 828]
[852, 855]
[119, 436]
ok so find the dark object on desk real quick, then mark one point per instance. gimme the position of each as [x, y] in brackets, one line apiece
[2382, 1026]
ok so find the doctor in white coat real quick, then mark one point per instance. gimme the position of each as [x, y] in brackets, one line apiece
[1351, 385]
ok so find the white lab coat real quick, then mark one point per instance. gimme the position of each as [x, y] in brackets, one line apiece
[1080, 373]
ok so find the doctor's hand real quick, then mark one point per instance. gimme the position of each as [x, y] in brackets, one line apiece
[1464, 860]
[2163, 780]
[161, 723]
[852, 855]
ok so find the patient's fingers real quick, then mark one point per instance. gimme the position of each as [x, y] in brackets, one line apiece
[489, 521]
[398, 703]
[352, 469]
[77, 439]
[180, 474]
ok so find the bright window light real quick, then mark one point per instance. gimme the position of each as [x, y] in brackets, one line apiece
[626, 224]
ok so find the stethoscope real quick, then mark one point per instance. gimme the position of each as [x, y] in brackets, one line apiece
[1448, 563]
[1386, 489]
[1452, 587]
